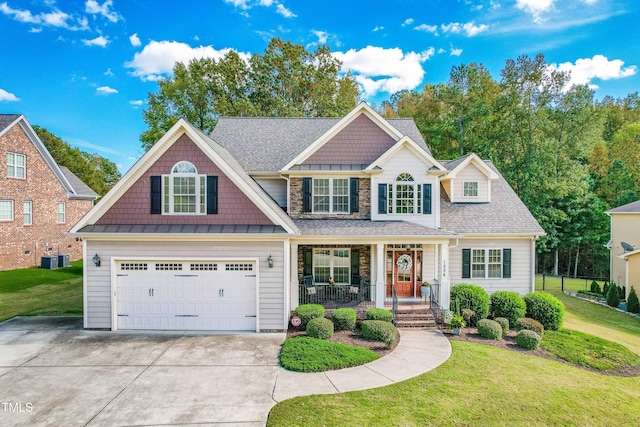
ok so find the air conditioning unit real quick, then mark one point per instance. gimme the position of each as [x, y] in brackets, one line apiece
[63, 260]
[49, 262]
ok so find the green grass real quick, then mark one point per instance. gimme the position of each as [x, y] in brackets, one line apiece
[588, 350]
[306, 354]
[479, 385]
[594, 319]
[37, 291]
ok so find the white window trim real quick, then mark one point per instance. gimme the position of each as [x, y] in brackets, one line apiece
[29, 213]
[63, 212]
[331, 184]
[12, 210]
[487, 263]
[331, 263]
[464, 192]
[201, 182]
[15, 166]
[417, 196]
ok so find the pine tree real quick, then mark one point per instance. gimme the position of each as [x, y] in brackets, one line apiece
[633, 305]
[613, 298]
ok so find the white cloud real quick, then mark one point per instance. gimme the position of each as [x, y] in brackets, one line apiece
[8, 96]
[158, 58]
[535, 7]
[599, 67]
[454, 51]
[378, 69]
[589, 1]
[284, 11]
[442, 50]
[55, 18]
[98, 41]
[93, 7]
[242, 4]
[407, 21]
[321, 35]
[135, 40]
[377, 28]
[469, 28]
[427, 28]
[266, 3]
[105, 90]
[136, 102]
[109, 73]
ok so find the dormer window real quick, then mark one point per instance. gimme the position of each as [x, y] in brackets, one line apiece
[405, 197]
[184, 190]
[470, 189]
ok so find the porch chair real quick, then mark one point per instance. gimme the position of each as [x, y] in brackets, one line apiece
[355, 294]
[312, 295]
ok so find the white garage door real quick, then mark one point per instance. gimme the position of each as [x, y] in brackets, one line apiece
[184, 295]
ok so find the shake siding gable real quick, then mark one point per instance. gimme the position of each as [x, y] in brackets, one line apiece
[234, 207]
[359, 143]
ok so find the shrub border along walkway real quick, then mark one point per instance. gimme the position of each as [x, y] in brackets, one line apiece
[418, 351]
[604, 304]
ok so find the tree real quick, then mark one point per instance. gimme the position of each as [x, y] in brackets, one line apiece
[285, 81]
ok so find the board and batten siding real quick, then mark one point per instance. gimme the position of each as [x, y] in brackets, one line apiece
[624, 228]
[276, 188]
[272, 280]
[521, 270]
[405, 161]
[471, 174]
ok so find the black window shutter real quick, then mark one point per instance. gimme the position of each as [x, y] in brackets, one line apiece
[307, 257]
[355, 263]
[306, 194]
[506, 263]
[212, 195]
[156, 194]
[354, 197]
[466, 263]
[426, 199]
[382, 198]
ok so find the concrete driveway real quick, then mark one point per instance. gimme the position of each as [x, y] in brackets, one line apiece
[52, 372]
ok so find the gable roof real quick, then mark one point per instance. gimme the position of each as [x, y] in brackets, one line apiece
[456, 166]
[633, 207]
[506, 214]
[268, 144]
[405, 142]
[217, 154]
[75, 188]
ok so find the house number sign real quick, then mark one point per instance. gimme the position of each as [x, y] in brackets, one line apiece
[404, 262]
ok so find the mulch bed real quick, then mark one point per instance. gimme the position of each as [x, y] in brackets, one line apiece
[508, 342]
[351, 338]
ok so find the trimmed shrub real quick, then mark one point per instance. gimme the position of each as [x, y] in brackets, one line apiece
[320, 327]
[546, 309]
[605, 289]
[379, 314]
[633, 305]
[306, 312]
[528, 339]
[529, 325]
[344, 319]
[490, 329]
[508, 304]
[595, 287]
[613, 297]
[473, 297]
[504, 322]
[379, 330]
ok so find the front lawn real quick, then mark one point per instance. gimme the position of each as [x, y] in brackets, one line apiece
[306, 354]
[37, 291]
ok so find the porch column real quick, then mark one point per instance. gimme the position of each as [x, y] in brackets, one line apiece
[445, 287]
[380, 291]
[293, 276]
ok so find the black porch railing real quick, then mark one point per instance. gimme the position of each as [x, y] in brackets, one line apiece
[434, 301]
[333, 296]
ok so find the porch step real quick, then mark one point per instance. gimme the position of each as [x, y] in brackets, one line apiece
[416, 323]
[415, 316]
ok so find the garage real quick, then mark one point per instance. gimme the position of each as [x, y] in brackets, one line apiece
[187, 295]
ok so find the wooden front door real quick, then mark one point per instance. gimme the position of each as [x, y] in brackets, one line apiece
[403, 267]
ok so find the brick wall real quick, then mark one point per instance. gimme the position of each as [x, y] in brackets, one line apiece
[364, 207]
[233, 206]
[22, 245]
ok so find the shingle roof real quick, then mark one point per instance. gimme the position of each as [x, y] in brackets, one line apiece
[81, 189]
[452, 164]
[183, 228]
[7, 119]
[505, 214]
[633, 207]
[364, 227]
[267, 144]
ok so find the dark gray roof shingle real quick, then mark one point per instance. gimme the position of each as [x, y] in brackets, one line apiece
[267, 144]
[81, 189]
[505, 214]
[633, 207]
[7, 119]
[363, 227]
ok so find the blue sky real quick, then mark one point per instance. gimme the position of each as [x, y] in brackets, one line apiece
[83, 68]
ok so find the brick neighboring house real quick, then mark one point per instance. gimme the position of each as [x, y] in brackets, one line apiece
[39, 200]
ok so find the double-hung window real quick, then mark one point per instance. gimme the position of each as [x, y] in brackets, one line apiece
[184, 190]
[470, 189]
[62, 212]
[16, 165]
[6, 210]
[486, 263]
[331, 263]
[405, 196]
[331, 195]
[27, 212]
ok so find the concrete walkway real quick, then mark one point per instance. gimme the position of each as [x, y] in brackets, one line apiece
[418, 351]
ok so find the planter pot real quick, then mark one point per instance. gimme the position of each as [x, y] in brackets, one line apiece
[425, 291]
[456, 331]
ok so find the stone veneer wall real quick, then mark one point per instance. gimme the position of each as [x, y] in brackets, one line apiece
[295, 204]
[365, 259]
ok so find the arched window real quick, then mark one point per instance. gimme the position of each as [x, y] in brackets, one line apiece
[405, 196]
[184, 191]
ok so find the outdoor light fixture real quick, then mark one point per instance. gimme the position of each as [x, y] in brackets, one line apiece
[96, 260]
[270, 261]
